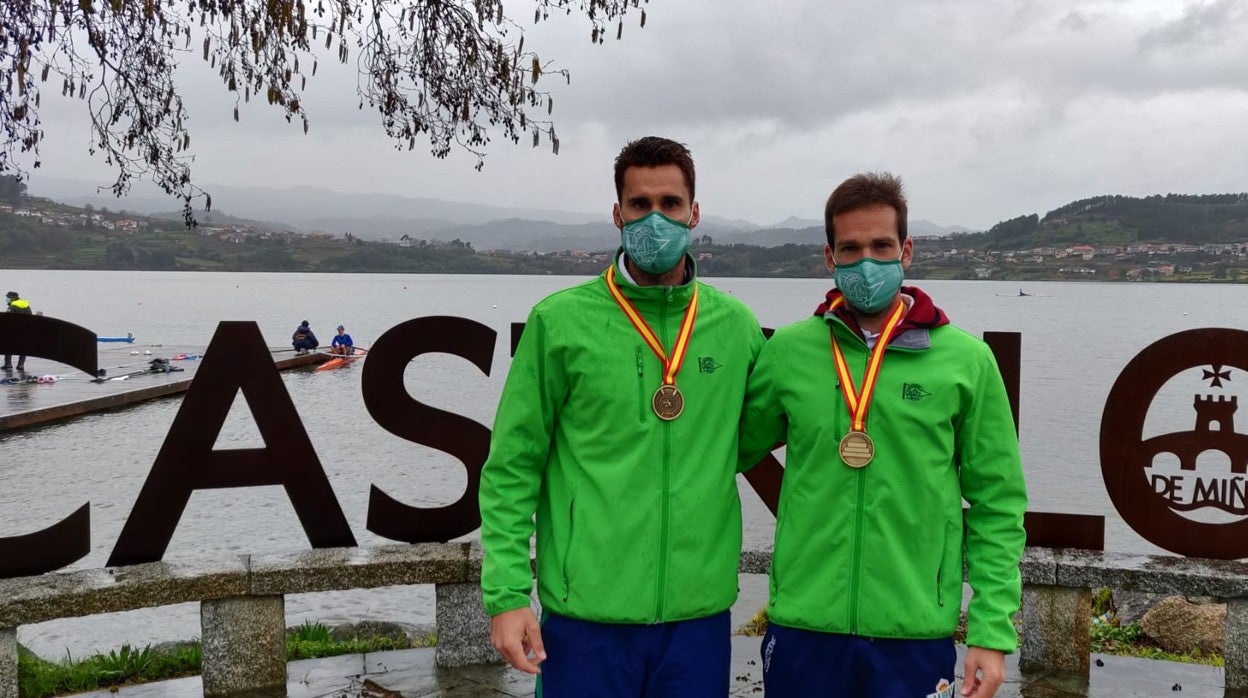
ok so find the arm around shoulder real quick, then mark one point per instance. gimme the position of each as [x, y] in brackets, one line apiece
[763, 423]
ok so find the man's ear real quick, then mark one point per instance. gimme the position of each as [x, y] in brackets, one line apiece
[697, 216]
[828, 258]
[616, 217]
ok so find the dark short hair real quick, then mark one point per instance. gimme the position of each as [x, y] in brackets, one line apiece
[12, 294]
[864, 191]
[653, 151]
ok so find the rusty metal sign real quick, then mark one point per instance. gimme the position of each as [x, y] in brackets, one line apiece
[1185, 490]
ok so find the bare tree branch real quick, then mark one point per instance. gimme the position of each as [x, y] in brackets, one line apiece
[451, 72]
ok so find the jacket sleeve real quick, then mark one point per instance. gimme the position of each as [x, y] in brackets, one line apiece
[992, 481]
[511, 478]
[763, 422]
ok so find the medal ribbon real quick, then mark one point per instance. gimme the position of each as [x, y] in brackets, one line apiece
[858, 402]
[670, 366]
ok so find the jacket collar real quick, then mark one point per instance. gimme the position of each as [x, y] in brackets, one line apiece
[922, 316]
[680, 295]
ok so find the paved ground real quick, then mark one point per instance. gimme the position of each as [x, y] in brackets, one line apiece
[411, 674]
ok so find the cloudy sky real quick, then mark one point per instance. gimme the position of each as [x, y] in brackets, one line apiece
[987, 109]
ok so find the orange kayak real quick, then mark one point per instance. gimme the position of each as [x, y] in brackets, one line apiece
[340, 361]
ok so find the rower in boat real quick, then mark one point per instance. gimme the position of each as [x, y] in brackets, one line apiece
[342, 344]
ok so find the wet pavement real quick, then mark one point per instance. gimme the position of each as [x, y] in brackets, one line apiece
[412, 673]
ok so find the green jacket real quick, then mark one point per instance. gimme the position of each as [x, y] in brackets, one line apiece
[638, 519]
[878, 551]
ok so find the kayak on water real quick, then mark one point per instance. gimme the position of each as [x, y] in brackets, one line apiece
[128, 339]
[338, 360]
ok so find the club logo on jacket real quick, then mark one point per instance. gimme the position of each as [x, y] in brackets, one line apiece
[707, 364]
[913, 391]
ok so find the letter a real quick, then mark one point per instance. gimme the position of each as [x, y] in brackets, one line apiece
[236, 359]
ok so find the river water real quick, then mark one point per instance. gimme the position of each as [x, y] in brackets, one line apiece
[1076, 338]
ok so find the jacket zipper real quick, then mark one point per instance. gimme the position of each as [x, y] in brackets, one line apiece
[940, 571]
[859, 515]
[667, 452]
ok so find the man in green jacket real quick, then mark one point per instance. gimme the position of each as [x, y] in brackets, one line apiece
[892, 417]
[617, 427]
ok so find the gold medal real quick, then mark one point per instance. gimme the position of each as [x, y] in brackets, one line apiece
[857, 449]
[667, 402]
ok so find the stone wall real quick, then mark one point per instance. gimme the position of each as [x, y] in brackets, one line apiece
[243, 610]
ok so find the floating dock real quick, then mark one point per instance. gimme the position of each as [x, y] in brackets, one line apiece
[75, 393]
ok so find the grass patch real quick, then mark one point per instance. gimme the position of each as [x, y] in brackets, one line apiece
[313, 641]
[1120, 641]
[757, 626]
[39, 677]
[1130, 641]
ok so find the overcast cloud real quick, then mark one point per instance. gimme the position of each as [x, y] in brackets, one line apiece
[987, 110]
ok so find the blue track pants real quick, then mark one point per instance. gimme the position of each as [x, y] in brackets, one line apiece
[685, 659]
[800, 663]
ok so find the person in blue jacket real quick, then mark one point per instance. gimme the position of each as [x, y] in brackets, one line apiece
[341, 343]
[303, 340]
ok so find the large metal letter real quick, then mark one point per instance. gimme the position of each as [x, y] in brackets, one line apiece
[400, 414]
[68, 540]
[236, 359]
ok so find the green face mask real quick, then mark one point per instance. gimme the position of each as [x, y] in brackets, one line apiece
[869, 284]
[655, 242]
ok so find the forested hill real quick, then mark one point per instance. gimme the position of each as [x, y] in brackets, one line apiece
[1173, 218]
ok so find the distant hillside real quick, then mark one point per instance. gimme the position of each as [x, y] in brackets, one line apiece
[1173, 218]
[215, 217]
[371, 216]
[387, 217]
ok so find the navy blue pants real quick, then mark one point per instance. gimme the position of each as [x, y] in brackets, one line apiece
[685, 659]
[799, 663]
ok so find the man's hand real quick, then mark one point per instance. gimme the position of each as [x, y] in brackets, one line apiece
[515, 634]
[984, 672]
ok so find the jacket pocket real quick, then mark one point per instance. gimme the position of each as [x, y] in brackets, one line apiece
[940, 568]
[642, 398]
[773, 577]
[567, 548]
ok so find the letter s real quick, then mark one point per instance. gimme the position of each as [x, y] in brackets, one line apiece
[390, 405]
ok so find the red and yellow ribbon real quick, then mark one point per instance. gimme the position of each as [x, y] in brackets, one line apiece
[671, 366]
[859, 401]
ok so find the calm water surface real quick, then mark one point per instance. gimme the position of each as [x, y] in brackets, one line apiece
[1077, 337]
